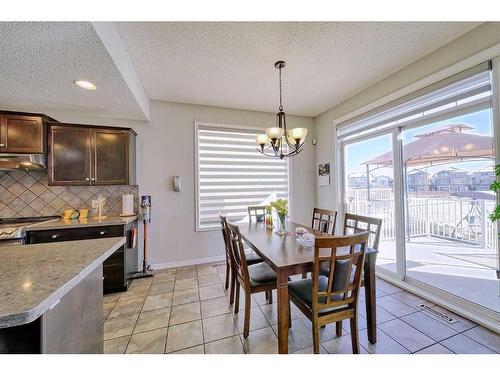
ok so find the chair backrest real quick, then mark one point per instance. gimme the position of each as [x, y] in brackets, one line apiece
[344, 257]
[256, 212]
[357, 223]
[227, 243]
[324, 220]
[238, 252]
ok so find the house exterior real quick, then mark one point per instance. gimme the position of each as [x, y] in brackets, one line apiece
[357, 181]
[382, 182]
[418, 181]
[452, 180]
[482, 179]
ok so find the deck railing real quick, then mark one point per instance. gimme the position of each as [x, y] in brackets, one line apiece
[457, 219]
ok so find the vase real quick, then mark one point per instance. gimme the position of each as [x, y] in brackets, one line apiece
[282, 225]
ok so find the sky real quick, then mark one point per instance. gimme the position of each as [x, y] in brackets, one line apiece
[365, 150]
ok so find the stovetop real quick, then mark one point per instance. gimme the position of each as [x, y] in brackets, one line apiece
[13, 228]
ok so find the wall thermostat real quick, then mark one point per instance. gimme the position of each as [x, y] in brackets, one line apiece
[177, 183]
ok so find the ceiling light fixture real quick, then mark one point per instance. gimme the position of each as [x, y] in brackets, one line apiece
[85, 85]
[278, 137]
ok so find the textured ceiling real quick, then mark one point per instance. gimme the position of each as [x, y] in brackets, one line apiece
[230, 64]
[40, 60]
[225, 64]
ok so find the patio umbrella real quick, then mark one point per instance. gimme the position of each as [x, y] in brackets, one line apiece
[439, 146]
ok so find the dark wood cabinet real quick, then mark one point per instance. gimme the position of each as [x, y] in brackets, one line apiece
[118, 268]
[22, 134]
[69, 155]
[111, 154]
[87, 155]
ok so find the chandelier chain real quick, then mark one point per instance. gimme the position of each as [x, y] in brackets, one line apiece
[281, 104]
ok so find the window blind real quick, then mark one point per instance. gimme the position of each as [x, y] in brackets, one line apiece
[462, 93]
[232, 175]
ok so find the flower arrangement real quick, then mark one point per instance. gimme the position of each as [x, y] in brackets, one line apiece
[281, 208]
[495, 186]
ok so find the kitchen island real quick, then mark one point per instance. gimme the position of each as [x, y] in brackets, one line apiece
[51, 296]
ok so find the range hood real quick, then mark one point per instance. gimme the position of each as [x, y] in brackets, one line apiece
[36, 162]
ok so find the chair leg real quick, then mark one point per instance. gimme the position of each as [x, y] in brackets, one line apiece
[304, 275]
[248, 305]
[270, 299]
[237, 297]
[232, 290]
[354, 334]
[226, 285]
[289, 314]
[338, 328]
[315, 328]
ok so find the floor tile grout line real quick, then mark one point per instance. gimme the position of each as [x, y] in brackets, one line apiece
[400, 343]
[470, 338]
[471, 328]
[138, 316]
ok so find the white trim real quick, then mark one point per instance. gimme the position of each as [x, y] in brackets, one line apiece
[189, 262]
[467, 63]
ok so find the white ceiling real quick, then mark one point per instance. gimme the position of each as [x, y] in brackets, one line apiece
[223, 64]
[231, 64]
[40, 60]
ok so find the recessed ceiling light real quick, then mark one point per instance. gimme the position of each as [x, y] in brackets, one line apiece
[85, 85]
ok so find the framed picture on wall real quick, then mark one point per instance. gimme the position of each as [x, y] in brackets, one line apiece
[324, 174]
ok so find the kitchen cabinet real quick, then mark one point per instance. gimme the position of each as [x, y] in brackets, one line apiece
[22, 134]
[118, 268]
[89, 155]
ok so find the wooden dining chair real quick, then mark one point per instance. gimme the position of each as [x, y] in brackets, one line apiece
[250, 256]
[254, 278]
[355, 224]
[324, 220]
[256, 212]
[332, 298]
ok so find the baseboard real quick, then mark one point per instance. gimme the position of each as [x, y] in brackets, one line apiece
[189, 262]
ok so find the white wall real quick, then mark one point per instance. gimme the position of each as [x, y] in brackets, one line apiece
[471, 43]
[165, 148]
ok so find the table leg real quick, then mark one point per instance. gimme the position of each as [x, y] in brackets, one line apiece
[283, 324]
[371, 298]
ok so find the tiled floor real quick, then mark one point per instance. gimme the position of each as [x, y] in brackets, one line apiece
[186, 310]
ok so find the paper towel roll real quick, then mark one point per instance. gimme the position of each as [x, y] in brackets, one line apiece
[127, 204]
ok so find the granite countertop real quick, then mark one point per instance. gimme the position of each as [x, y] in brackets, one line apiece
[33, 278]
[78, 223]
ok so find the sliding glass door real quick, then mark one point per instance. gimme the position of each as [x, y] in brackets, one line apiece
[450, 243]
[424, 165]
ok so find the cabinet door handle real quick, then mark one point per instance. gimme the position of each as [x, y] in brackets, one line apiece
[92, 179]
[102, 232]
[87, 179]
[54, 236]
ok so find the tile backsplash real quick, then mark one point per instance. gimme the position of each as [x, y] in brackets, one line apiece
[27, 194]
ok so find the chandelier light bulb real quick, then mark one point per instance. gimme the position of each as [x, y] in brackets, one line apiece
[297, 133]
[274, 133]
[262, 139]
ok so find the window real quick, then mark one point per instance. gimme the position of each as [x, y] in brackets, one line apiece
[232, 174]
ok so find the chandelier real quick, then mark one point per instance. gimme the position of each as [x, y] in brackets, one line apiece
[277, 141]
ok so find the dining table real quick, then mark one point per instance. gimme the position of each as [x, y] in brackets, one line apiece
[287, 258]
